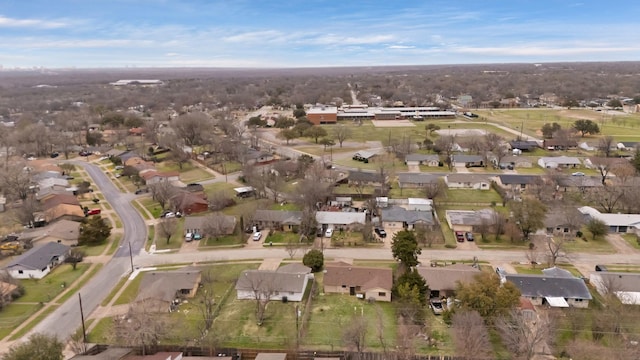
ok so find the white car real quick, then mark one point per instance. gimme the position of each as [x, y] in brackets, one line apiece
[188, 237]
[579, 173]
[328, 233]
[257, 236]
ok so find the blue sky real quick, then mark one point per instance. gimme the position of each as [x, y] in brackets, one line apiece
[288, 33]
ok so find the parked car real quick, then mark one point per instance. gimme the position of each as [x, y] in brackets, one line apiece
[197, 236]
[257, 236]
[94, 212]
[328, 233]
[601, 268]
[54, 155]
[436, 306]
[380, 232]
[119, 167]
[577, 173]
[469, 236]
[188, 237]
[167, 214]
[460, 236]
[140, 191]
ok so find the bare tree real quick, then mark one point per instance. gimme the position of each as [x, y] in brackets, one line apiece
[605, 144]
[215, 225]
[16, 180]
[471, 335]
[607, 198]
[167, 228]
[525, 337]
[405, 344]
[434, 189]
[380, 328]
[140, 327]
[262, 288]
[162, 192]
[292, 246]
[26, 213]
[341, 133]
[192, 127]
[556, 247]
[207, 302]
[355, 334]
[445, 145]
[275, 184]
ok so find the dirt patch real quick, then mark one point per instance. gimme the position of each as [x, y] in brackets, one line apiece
[462, 132]
[392, 123]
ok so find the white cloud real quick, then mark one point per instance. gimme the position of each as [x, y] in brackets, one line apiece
[172, 54]
[401, 47]
[37, 23]
[539, 50]
[333, 39]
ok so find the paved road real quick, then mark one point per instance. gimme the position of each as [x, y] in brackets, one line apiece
[66, 319]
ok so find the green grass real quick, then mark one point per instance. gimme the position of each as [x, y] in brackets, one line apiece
[227, 167]
[332, 313]
[281, 237]
[195, 175]
[34, 322]
[93, 250]
[44, 290]
[632, 239]
[227, 240]
[538, 269]
[131, 291]
[140, 209]
[176, 240]
[472, 196]
[115, 243]
[152, 206]
[286, 207]
[100, 334]
[13, 315]
[150, 236]
[220, 186]
[588, 245]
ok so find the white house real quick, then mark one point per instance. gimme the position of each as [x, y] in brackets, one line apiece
[468, 181]
[626, 286]
[288, 282]
[339, 219]
[38, 262]
[553, 162]
[617, 223]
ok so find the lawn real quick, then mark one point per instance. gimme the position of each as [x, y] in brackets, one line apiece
[136, 204]
[44, 290]
[538, 269]
[13, 315]
[227, 240]
[286, 206]
[632, 239]
[176, 240]
[152, 206]
[587, 244]
[34, 322]
[131, 291]
[472, 196]
[195, 175]
[282, 237]
[226, 167]
[219, 186]
[332, 313]
[93, 250]
[101, 333]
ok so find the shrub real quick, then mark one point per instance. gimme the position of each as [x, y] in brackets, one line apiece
[314, 259]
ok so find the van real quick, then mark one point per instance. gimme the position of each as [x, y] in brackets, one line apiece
[188, 237]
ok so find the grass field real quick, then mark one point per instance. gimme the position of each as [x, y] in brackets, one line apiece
[13, 315]
[471, 196]
[176, 239]
[57, 281]
[131, 291]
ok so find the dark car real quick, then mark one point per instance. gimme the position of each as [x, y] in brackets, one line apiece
[460, 236]
[601, 268]
[469, 236]
[380, 232]
[54, 155]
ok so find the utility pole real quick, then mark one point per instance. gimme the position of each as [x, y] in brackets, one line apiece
[297, 328]
[84, 330]
[131, 257]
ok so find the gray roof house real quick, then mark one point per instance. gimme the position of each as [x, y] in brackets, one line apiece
[332, 219]
[468, 181]
[277, 218]
[552, 162]
[196, 224]
[366, 177]
[443, 280]
[159, 289]
[468, 160]
[468, 220]
[38, 262]
[395, 216]
[625, 286]
[416, 180]
[555, 288]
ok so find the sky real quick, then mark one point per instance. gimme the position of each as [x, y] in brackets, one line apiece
[313, 33]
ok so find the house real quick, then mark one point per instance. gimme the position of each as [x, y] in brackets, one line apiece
[559, 144]
[114, 153]
[38, 262]
[555, 288]
[562, 162]
[468, 220]
[62, 206]
[137, 131]
[363, 282]
[416, 180]
[468, 160]
[604, 162]
[339, 219]
[277, 219]
[625, 286]
[443, 280]
[627, 145]
[518, 183]
[366, 178]
[63, 231]
[197, 224]
[55, 183]
[284, 284]
[188, 203]
[159, 289]
[258, 157]
[516, 161]
[271, 356]
[364, 156]
[617, 223]
[422, 159]
[155, 177]
[578, 182]
[468, 181]
[524, 145]
[415, 204]
[565, 221]
[398, 218]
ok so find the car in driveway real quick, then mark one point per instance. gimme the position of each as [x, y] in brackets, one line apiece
[469, 236]
[577, 173]
[380, 232]
[167, 214]
[94, 212]
[188, 237]
[328, 233]
[460, 236]
[436, 306]
[257, 236]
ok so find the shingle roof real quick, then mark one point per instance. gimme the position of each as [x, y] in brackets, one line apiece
[270, 281]
[340, 217]
[421, 157]
[396, 213]
[365, 176]
[469, 217]
[339, 274]
[417, 178]
[163, 285]
[619, 281]
[278, 216]
[518, 179]
[467, 158]
[294, 268]
[564, 160]
[467, 178]
[39, 257]
[546, 286]
[447, 278]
